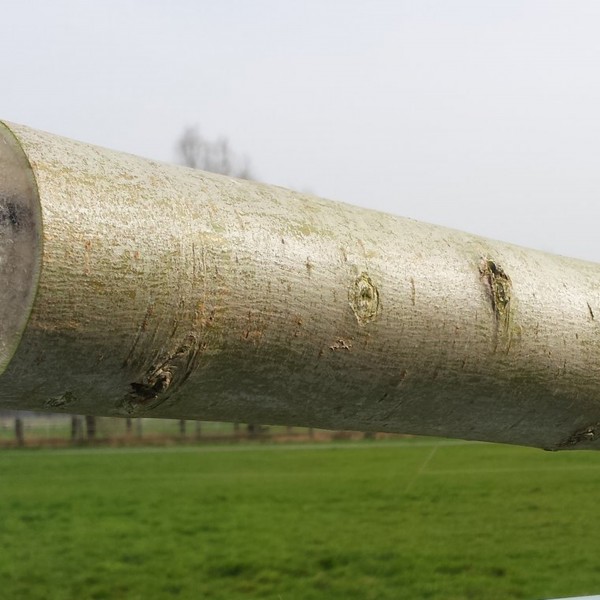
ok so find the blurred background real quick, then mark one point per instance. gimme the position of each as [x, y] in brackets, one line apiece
[481, 116]
[477, 115]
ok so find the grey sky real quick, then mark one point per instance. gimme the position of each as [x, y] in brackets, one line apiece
[479, 115]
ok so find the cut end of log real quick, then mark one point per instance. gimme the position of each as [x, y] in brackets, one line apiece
[20, 243]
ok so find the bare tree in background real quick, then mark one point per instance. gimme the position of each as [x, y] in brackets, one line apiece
[197, 152]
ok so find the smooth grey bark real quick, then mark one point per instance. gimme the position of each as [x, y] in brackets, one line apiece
[134, 288]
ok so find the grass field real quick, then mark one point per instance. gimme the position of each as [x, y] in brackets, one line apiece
[420, 519]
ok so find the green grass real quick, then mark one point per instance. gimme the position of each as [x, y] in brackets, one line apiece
[368, 520]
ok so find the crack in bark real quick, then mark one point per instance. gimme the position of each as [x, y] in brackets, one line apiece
[499, 288]
[590, 310]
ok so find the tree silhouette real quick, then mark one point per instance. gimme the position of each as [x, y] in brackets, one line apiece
[197, 152]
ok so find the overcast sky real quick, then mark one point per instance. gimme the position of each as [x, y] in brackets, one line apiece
[479, 115]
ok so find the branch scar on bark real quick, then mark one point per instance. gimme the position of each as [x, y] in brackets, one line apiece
[499, 292]
[364, 299]
[165, 376]
[62, 401]
[499, 288]
[581, 437]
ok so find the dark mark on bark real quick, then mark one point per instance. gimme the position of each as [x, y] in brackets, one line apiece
[395, 383]
[401, 378]
[162, 379]
[499, 288]
[61, 401]
[590, 310]
[581, 437]
[309, 266]
[341, 345]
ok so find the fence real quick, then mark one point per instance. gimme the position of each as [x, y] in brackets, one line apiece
[25, 429]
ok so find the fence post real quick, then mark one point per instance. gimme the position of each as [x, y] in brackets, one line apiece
[74, 428]
[90, 427]
[19, 431]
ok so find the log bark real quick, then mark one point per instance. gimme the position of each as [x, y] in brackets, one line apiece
[139, 289]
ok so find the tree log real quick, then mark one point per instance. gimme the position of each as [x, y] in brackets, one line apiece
[140, 289]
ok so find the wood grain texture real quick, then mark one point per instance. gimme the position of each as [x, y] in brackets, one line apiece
[170, 292]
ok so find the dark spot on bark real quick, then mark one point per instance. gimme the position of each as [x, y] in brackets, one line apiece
[309, 266]
[162, 379]
[401, 377]
[579, 438]
[61, 401]
[394, 384]
[146, 394]
[157, 384]
[499, 287]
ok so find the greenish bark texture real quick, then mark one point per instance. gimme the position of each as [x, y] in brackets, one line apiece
[135, 288]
